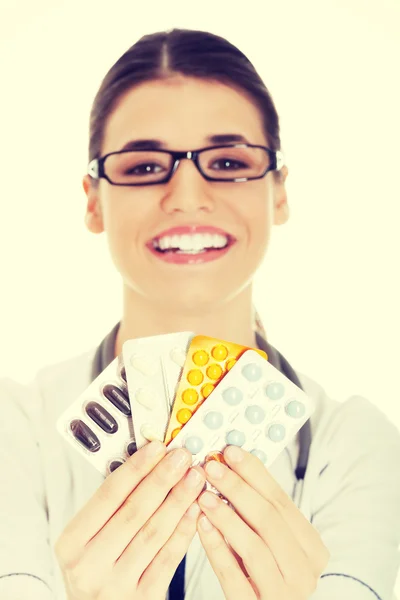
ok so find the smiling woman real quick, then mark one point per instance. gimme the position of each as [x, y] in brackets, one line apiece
[232, 186]
[186, 178]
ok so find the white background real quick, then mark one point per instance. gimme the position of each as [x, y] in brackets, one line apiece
[329, 290]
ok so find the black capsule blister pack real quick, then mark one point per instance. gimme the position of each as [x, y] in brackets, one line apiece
[99, 423]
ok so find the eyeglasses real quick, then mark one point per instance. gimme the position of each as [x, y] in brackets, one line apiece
[234, 162]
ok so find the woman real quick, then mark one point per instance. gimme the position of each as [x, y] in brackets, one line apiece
[187, 240]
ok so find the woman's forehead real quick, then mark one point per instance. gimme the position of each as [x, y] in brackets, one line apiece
[183, 112]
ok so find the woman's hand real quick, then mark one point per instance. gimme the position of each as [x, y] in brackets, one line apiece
[270, 550]
[128, 540]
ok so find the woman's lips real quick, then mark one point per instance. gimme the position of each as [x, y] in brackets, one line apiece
[182, 258]
[189, 258]
[191, 230]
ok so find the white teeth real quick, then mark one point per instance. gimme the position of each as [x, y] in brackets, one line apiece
[174, 241]
[184, 242]
[164, 243]
[197, 242]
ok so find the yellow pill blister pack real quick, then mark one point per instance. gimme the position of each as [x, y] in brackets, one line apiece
[153, 368]
[208, 361]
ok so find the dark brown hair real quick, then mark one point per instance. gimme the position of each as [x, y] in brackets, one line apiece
[187, 52]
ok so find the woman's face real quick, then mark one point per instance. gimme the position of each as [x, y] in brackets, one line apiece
[182, 113]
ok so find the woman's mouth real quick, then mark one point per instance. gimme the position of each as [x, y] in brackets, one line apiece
[191, 245]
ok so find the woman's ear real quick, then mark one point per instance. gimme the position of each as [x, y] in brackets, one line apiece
[94, 215]
[281, 207]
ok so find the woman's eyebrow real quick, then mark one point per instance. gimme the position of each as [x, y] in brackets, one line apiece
[155, 144]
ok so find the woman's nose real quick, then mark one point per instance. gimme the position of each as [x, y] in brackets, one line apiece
[187, 190]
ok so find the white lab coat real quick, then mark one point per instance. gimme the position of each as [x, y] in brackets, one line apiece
[351, 491]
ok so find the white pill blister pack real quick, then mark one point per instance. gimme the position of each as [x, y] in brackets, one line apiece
[255, 406]
[99, 424]
[153, 369]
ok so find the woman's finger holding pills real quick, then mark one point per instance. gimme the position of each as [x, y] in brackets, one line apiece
[105, 547]
[106, 500]
[252, 472]
[109, 543]
[158, 529]
[261, 516]
[157, 577]
[233, 580]
[257, 558]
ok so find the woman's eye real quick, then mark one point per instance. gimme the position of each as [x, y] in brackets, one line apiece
[224, 164]
[144, 169]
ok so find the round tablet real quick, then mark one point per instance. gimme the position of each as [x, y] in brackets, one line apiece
[213, 419]
[174, 433]
[214, 372]
[235, 437]
[178, 356]
[252, 372]
[150, 433]
[275, 390]
[200, 358]
[276, 432]
[183, 415]
[219, 352]
[218, 456]
[295, 409]
[143, 365]
[232, 396]
[190, 396]
[255, 414]
[207, 389]
[194, 444]
[145, 398]
[230, 363]
[195, 377]
[260, 454]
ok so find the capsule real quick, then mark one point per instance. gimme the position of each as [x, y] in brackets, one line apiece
[118, 397]
[84, 435]
[123, 374]
[115, 464]
[131, 448]
[102, 417]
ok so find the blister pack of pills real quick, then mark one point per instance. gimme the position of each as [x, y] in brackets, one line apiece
[153, 369]
[255, 406]
[208, 361]
[99, 424]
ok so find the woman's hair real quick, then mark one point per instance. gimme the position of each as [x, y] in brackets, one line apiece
[187, 52]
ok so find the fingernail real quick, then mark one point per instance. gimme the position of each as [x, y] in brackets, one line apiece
[178, 458]
[205, 524]
[234, 454]
[193, 511]
[209, 500]
[215, 469]
[154, 448]
[193, 479]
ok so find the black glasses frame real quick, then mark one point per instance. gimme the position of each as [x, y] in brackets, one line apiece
[96, 166]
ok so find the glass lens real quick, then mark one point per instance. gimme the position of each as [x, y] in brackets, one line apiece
[234, 163]
[142, 166]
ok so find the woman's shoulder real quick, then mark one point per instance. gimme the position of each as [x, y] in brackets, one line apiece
[52, 388]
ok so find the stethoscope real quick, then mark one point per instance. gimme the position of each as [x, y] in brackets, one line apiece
[105, 355]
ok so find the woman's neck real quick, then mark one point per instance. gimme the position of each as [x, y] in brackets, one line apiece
[232, 321]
